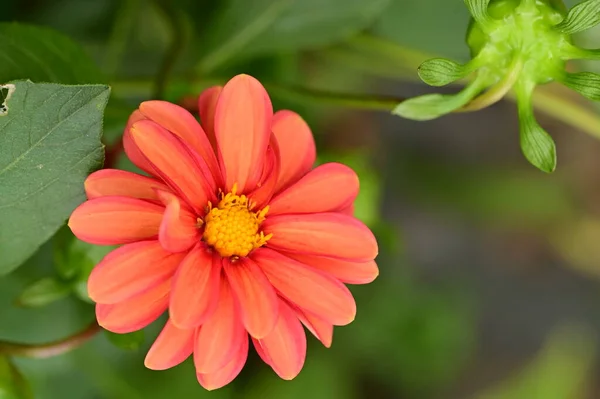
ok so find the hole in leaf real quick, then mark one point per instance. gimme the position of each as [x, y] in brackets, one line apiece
[6, 92]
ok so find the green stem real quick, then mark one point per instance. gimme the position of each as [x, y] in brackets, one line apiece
[302, 94]
[178, 25]
[576, 53]
[496, 92]
[50, 349]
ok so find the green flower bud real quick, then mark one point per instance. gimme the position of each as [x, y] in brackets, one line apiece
[515, 44]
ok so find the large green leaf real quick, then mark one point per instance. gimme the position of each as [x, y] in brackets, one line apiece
[270, 26]
[49, 143]
[43, 55]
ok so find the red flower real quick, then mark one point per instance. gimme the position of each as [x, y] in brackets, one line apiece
[233, 233]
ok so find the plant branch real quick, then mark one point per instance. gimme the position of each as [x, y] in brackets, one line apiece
[50, 349]
[496, 92]
[302, 94]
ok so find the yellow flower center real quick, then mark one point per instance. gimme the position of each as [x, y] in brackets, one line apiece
[231, 227]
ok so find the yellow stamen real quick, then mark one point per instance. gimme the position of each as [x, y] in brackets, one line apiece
[231, 227]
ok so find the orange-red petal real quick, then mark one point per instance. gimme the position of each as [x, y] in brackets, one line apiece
[134, 313]
[285, 346]
[116, 220]
[224, 376]
[242, 128]
[297, 147]
[179, 121]
[220, 337]
[207, 105]
[174, 163]
[349, 210]
[307, 288]
[130, 270]
[131, 150]
[111, 182]
[195, 288]
[318, 327]
[172, 347]
[329, 187]
[325, 234]
[344, 270]
[258, 303]
[266, 188]
[178, 230]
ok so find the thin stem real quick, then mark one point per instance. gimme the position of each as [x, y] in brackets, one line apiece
[577, 53]
[302, 94]
[179, 32]
[496, 92]
[50, 349]
[112, 153]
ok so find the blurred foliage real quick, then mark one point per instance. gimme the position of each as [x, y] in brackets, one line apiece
[12, 383]
[561, 371]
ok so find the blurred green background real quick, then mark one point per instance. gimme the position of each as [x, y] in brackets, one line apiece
[489, 269]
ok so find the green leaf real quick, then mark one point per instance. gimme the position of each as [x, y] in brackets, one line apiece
[537, 145]
[131, 341]
[50, 141]
[583, 16]
[43, 55]
[12, 383]
[43, 292]
[246, 29]
[585, 83]
[432, 106]
[67, 262]
[93, 255]
[478, 9]
[441, 71]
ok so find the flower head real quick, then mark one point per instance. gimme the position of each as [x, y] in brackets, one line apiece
[232, 231]
[515, 44]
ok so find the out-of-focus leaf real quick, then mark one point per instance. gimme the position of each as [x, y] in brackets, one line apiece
[12, 383]
[43, 292]
[559, 372]
[75, 259]
[131, 341]
[267, 26]
[431, 26]
[309, 24]
[69, 259]
[50, 141]
[43, 55]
